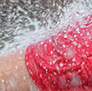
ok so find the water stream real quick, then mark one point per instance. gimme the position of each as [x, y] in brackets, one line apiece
[23, 22]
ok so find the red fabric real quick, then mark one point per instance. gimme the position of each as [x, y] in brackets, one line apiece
[63, 62]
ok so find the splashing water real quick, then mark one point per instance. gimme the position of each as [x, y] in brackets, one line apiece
[24, 22]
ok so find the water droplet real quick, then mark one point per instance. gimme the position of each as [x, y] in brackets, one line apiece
[43, 35]
[16, 67]
[24, 77]
[19, 58]
[21, 52]
[3, 81]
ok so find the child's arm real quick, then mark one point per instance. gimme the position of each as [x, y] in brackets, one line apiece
[13, 73]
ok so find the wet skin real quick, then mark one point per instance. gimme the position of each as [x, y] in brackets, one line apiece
[13, 73]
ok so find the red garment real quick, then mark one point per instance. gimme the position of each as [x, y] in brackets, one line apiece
[63, 62]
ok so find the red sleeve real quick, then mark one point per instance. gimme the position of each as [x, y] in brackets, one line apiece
[63, 62]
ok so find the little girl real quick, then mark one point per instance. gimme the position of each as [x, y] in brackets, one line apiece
[61, 63]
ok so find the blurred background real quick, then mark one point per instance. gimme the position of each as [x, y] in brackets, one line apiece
[23, 22]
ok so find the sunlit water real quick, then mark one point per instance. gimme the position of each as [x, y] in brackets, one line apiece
[23, 22]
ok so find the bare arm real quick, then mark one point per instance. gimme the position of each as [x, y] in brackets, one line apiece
[13, 73]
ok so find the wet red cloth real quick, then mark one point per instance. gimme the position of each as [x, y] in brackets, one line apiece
[63, 62]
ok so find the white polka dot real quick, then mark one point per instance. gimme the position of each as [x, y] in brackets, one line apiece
[73, 64]
[74, 59]
[87, 45]
[75, 35]
[27, 63]
[54, 82]
[59, 34]
[55, 73]
[82, 63]
[61, 65]
[49, 40]
[53, 49]
[76, 39]
[61, 52]
[48, 77]
[79, 45]
[83, 30]
[30, 72]
[50, 63]
[58, 50]
[77, 29]
[64, 53]
[40, 64]
[40, 75]
[66, 60]
[51, 52]
[45, 45]
[54, 55]
[36, 54]
[75, 43]
[69, 65]
[54, 61]
[46, 69]
[64, 46]
[65, 36]
[81, 34]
